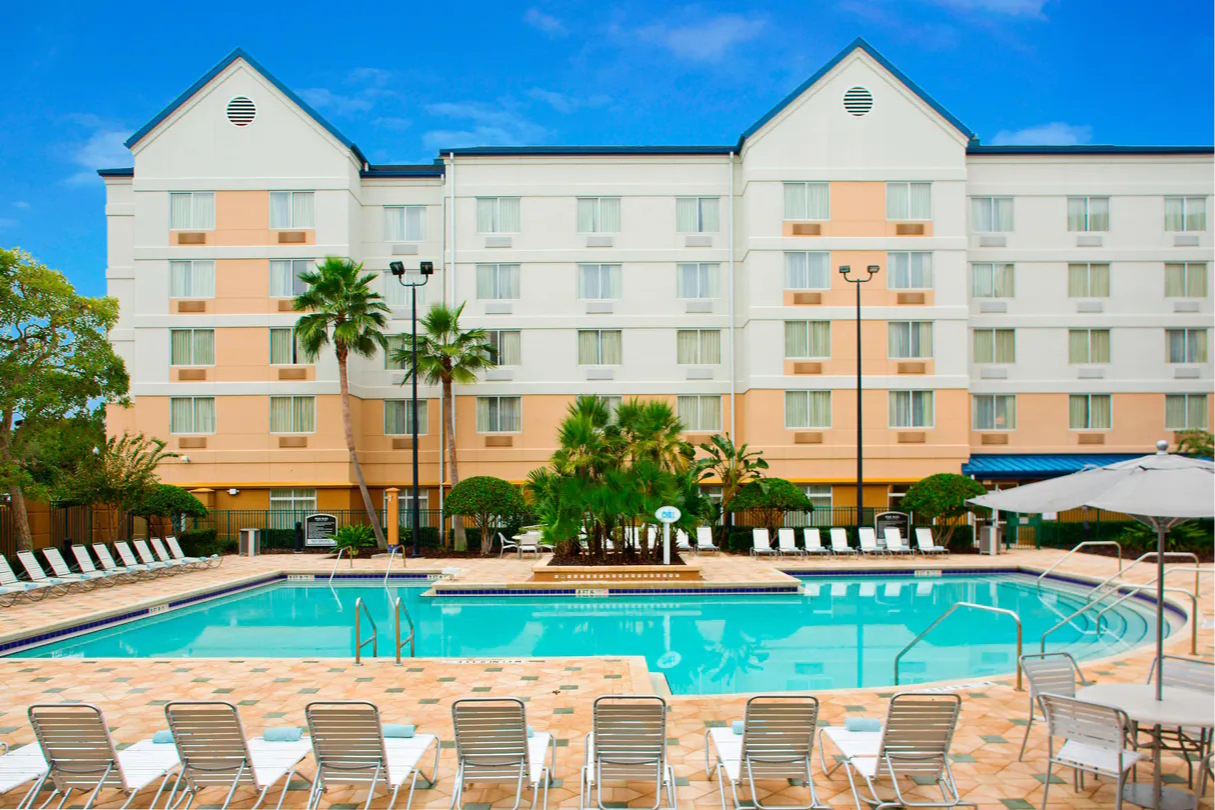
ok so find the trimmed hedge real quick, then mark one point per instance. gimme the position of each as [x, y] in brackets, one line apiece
[204, 543]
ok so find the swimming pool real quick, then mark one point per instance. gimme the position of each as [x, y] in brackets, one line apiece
[841, 632]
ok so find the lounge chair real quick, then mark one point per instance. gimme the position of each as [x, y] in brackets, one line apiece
[21, 766]
[132, 569]
[495, 746]
[683, 542]
[761, 543]
[868, 541]
[147, 558]
[1097, 740]
[923, 539]
[162, 555]
[776, 744]
[80, 755]
[60, 569]
[211, 561]
[1054, 673]
[813, 539]
[350, 748]
[628, 743]
[12, 588]
[128, 559]
[85, 563]
[786, 543]
[704, 540]
[894, 542]
[215, 752]
[839, 543]
[34, 571]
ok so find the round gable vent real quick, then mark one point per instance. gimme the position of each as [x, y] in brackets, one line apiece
[241, 111]
[858, 101]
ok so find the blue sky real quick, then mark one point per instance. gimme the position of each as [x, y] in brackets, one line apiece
[405, 79]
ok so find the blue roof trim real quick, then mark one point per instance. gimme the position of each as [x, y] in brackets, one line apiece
[420, 170]
[490, 151]
[1037, 465]
[127, 172]
[827, 68]
[1088, 149]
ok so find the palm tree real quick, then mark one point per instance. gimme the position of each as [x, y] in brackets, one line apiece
[448, 355]
[734, 466]
[652, 432]
[342, 308]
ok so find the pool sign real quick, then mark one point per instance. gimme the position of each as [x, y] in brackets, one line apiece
[319, 530]
[667, 514]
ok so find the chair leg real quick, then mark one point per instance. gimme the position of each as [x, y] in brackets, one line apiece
[1046, 783]
[1025, 740]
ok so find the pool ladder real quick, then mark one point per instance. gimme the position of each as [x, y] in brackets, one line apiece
[945, 615]
[398, 610]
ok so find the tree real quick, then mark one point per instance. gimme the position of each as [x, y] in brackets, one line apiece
[348, 313]
[121, 476]
[942, 498]
[447, 356]
[734, 466]
[769, 499]
[163, 502]
[489, 501]
[1198, 443]
[56, 363]
[652, 432]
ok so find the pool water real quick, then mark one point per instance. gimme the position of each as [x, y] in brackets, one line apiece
[842, 632]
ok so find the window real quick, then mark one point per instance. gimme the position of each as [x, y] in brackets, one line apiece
[1089, 412]
[599, 281]
[911, 409]
[499, 414]
[807, 271]
[598, 215]
[611, 403]
[699, 412]
[497, 215]
[696, 215]
[909, 271]
[507, 343]
[1185, 412]
[807, 339]
[1088, 280]
[284, 348]
[1088, 345]
[807, 409]
[191, 347]
[1186, 345]
[497, 281]
[895, 496]
[819, 495]
[404, 223]
[994, 412]
[992, 280]
[909, 339]
[696, 281]
[191, 414]
[398, 419]
[1185, 213]
[192, 211]
[295, 500]
[1088, 213]
[291, 210]
[397, 343]
[285, 277]
[698, 347]
[397, 294]
[192, 279]
[907, 201]
[599, 347]
[1185, 280]
[292, 414]
[995, 346]
[991, 214]
[805, 201]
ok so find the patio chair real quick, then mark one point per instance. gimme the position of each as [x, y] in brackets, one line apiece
[1054, 673]
[21, 766]
[162, 554]
[894, 542]
[34, 571]
[683, 542]
[80, 755]
[704, 540]
[84, 561]
[776, 744]
[128, 559]
[925, 543]
[60, 569]
[351, 749]
[131, 569]
[211, 561]
[215, 752]
[786, 543]
[628, 743]
[813, 539]
[1183, 673]
[839, 543]
[761, 543]
[12, 588]
[147, 558]
[868, 541]
[524, 543]
[495, 746]
[1097, 740]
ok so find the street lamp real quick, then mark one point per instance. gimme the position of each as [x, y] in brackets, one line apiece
[871, 271]
[426, 269]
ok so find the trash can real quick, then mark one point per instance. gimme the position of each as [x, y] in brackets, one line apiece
[250, 542]
[989, 540]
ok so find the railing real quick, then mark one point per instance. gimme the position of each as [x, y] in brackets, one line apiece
[393, 551]
[360, 610]
[946, 615]
[1089, 605]
[337, 559]
[399, 610]
[1140, 559]
[1152, 587]
[1079, 546]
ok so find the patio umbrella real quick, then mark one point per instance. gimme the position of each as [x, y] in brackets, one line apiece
[1160, 491]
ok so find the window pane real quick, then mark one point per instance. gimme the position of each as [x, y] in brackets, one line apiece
[920, 200]
[686, 215]
[984, 346]
[282, 280]
[708, 215]
[181, 212]
[282, 347]
[687, 347]
[797, 409]
[1175, 412]
[1099, 412]
[1174, 214]
[280, 210]
[204, 414]
[1077, 214]
[1077, 345]
[487, 215]
[394, 417]
[795, 201]
[1196, 411]
[1195, 214]
[179, 347]
[181, 415]
[1005, 346]
[394, 224]
[710, 346]
[415, 223]
[508, 213]
[302, 211]
[203, 347]
[797, 339]
[1004, 275]
[818, 200]
[1098, 213]
[1099, 346]
[587, 215]
[1003, 214]
[304, 414]
[510, 348]
[897, 205]
[982, 281]
[609, 215]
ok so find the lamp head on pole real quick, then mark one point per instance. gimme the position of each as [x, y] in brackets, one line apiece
[397, 268]
[427, 268]
[872, 270]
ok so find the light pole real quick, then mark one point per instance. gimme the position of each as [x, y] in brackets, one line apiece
[871, 271]
[426, 269]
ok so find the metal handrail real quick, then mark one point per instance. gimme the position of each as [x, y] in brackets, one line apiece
[1076, 548]
[399, 609]
[1086, 606]
[1140, 559]
[1152, 587]
[336, 560]
[944, 616]
[392, 552]
[359, 644]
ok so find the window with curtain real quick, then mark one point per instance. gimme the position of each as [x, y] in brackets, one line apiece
[404, 223]
[909, 339]
[908, 201]
[807, 201]
[1089, 412]
[1088, 213]
[994, 412]
[994, 345]
[1185, 213]
[1185, 412]
[598, 215]
[499, 414]
[398, 417]
[1186, 345]
[909, 271]
[599, 347]
[1088, 280]
[611, 403]
[806, 339]
[497, 215]
[497, 281]
[911, 409]
[292, 414]
[807, 409]
[1088, 345]
[699, 412]
[807, 271]
[405, 507]
[192, 211]
[397, 294]
[191, 414]
[193, 279]
[992, 280]
[191, 347]
[284, 348]
[819, 495]
[696, 280]
[296, 500]
[285, 277]
[696, 215]
[599, 281]
[508, 346]
[292, 210]
[698, 347]
[1185, 280]
[991, 214]
[396, 343]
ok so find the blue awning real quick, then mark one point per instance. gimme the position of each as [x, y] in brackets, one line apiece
[1017, 466]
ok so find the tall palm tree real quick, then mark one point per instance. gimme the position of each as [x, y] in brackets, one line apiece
[448, 355]
[734, 466]
[652, 432]
[342, 308]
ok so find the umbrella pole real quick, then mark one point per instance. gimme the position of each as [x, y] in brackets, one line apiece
[1160, 532]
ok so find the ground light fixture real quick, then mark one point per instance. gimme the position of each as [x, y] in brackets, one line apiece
[426, 270]
[846, 272]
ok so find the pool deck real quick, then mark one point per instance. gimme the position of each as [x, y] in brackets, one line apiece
[559, 692]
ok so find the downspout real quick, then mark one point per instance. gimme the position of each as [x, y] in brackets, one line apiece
[730, 298]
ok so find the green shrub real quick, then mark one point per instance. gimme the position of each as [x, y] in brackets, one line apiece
[204, 543]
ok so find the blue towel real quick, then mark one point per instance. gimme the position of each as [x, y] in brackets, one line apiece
[737, 726]
[283, 734]
[399, 729]
[531, 732]
[165, 736]
[862, 724]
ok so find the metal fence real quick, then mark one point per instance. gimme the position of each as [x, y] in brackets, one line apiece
[277, 526]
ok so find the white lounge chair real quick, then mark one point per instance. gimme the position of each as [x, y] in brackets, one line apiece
[211, 561]
[351, 749]
[34, 571]
[147, 558]
[85, 563]
[704, 540]
[923, 539]
[813, 539]
[1097, 740]
[894, 542]
[18, 767]
[133, 569]
[1054, 673]
[495, 746]
[761, 543]
[628, 743]
[839, 543]
[786, 543]
[162, 555]
[128, 559]
[868, 541]
[60, 569]
[12, 588]
[683, 542]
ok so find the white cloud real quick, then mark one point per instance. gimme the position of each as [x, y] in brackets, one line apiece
[707, 39]
[101, 149]
[324, 99]
[488, 125]
[1012, 8]
[544, 22]
[1053, 134]
[22, 204]
[565, 103]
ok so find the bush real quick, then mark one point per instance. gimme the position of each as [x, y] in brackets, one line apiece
[942, 498]
[768, 499]
[204, 543]
[490, 502]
